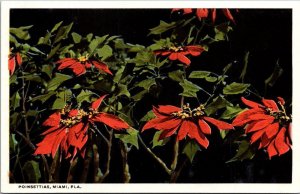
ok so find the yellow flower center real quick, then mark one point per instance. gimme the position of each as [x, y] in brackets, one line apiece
[187, 112]
[83, 59]
[176, 49]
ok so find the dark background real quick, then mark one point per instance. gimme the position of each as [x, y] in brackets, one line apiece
[266, 34]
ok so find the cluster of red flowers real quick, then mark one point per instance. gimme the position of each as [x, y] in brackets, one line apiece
[69, 130]
[268, 124]
[79, 65]
[13, 61]
[204, 13]
[185, 121]
[180, 53]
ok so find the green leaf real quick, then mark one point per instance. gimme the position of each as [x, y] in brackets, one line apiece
[162, 27]
[45, 40]
[43, 98]
[48, 70]
[76, 37]
[277, 72]
[56, 26]
[244, 152]
[89, 37]
[135, 48]
[176, 75]
[156, 142]
[105, 52]
[147, 83]
[130, 138]
[57, 81]
[144, 57]
[32, 113]
[211, 79]
[21, 32]
[190, 150]
[244, 71]
[235, 88]
[231, 112]
[150, 115]
[15, 119]
[53, 51]
[122, 90]
[32, 171]
[118, 74]
[15, 100]
[32, 77]
[139, 95]
[189, 89]
[12, 39]
[13, 143]
[217, 103]
[62, 33]
[58, 104]
[96, 42]
[222, 31]
[223, 133]
[199, 74]
[85, 95]
[190, 37]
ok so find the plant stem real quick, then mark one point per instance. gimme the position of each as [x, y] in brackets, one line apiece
[109, 145]
[163, 165]
[124, 153]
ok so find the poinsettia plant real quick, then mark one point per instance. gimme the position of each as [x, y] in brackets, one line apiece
[83, 107]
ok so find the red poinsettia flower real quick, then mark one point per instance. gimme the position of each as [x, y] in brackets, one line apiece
[184, 121]
[79, 65]
[14, 59]
[69, 130]
[204, 13]
[180, 53]
[268, 124]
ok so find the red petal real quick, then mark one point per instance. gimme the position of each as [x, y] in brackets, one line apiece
[280, 144]
[57, 142]
[97, 103]
[187, 10]
[249, 126]
[66, 63]
[184, 129]
[173, 56]
[271, 149]
[45, 146]
[202, 13]
[270, 104]
[167, 109]
[53, 120]
[219, 124]
[77, 128]
[153, 122]
[228, 15]
[102, 66]
[194, 50]
[182, 58]
[73, 113]
[167, 133]
[250, 103]
[281, 100]
[11, 65]
[164, 53]
[19, 59]
[111, 121]
[264, 141]
[260, 125]
[204, 127]
[213, 15]
[169, 124]
[256, 136]
[272, 130]
[195, 133]
[243, 117]
[78, 68]
[260, 117]
[50, 130]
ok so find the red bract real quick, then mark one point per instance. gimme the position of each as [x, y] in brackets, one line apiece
[69, 130]
[79, 65]
[268, 124]
[204, 13]
[14, 59]
[184, 121]
[180, 53]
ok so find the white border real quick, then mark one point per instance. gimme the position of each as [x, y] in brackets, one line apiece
[149, 188]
